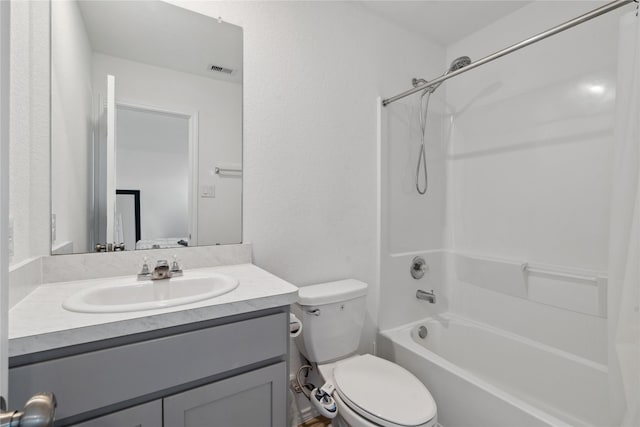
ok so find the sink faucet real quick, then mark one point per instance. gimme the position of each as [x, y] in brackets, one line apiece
[161, 270]
[426, 296]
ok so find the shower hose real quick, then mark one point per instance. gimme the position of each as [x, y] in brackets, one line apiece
[422, 156]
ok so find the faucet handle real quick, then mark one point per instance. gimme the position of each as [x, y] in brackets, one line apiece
[418, 267]
[175, 267]
[144, 271]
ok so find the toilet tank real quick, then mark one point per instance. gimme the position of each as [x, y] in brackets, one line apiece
[332, 317]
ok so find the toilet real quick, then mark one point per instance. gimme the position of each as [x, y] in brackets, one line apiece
[369, 391]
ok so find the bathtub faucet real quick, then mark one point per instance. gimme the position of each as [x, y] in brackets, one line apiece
[427, 296]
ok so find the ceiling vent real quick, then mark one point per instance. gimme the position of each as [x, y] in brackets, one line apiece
[219, 69]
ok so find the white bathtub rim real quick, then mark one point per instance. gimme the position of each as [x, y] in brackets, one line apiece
[506, 334]
[397, 336]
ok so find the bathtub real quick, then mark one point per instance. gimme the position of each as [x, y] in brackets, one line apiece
[481, 376]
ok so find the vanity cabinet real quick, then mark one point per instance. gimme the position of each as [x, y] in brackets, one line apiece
[224, 372]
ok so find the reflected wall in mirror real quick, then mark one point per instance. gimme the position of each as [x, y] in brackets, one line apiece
[146, 100]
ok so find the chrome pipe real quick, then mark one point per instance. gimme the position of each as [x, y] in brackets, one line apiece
[553, 31]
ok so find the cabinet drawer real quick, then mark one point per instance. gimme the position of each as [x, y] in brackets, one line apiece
[93, 380]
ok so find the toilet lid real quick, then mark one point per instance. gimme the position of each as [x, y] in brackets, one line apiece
[383, 391]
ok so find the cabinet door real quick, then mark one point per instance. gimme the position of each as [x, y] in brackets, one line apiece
[146, 415]
[255, 399]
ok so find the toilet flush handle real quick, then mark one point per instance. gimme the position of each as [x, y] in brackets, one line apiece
[314, 311]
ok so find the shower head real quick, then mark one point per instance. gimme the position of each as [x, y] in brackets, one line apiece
[456, 64]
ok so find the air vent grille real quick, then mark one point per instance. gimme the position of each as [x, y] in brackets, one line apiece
[219, 69]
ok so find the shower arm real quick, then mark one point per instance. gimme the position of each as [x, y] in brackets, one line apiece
[553, 31]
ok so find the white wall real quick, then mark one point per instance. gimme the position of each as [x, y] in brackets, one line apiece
[530, 167]
[71, 124]
[219, 108]
[313, 73]
[152, 155]
[29, 129]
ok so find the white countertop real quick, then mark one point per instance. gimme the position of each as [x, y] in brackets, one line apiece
[39, 323]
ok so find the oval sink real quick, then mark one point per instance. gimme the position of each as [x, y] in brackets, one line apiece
[150, 294]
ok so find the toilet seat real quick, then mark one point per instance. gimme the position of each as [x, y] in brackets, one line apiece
[383, 392]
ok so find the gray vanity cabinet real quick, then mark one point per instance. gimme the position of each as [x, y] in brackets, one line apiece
[225, 372]
[248, 400]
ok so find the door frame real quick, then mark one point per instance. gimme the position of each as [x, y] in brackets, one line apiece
[4, 195]
[192, 117]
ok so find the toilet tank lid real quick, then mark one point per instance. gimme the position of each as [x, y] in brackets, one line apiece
[330, 292]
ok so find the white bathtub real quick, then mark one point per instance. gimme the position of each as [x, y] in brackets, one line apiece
[481, 376]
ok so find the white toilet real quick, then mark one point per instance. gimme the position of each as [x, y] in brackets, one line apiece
[369, 391]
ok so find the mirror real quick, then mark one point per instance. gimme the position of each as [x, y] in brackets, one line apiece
[146, 127]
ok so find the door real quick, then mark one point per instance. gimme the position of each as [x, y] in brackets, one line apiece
[45, 403]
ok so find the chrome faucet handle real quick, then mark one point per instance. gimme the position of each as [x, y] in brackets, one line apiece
[144, 271]
[418, 267]
[175, 267]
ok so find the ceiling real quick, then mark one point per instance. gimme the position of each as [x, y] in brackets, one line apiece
[444, 21]
[167, 36]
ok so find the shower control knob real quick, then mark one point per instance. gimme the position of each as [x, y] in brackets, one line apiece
[418, 267]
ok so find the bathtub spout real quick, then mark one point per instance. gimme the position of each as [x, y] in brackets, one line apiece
[426, 296]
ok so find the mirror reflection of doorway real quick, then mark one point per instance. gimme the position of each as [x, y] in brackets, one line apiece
[152, 156]
[128, 217]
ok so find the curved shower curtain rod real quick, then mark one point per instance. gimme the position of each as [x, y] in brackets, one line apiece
[555, 30]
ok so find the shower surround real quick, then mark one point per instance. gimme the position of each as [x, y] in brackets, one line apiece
[515, 225]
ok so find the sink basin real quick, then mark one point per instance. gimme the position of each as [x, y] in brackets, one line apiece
[134, 295]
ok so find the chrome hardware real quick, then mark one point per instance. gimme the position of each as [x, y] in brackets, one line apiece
[418, 267]
[221, 171]
[144, 274]
[109, 247]
[524, 43]
[423, 332]
[426, 296]
[39, 411]
[175, 267]
[161, 270]
[315, 311]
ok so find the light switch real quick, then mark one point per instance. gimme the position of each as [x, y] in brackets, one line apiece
[208, 191]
